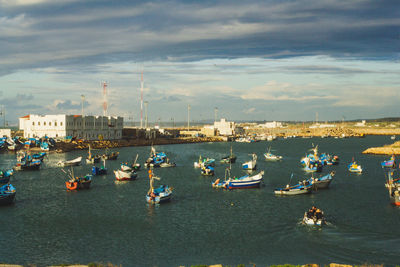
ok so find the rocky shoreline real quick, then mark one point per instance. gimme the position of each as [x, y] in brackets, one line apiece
[392, 149]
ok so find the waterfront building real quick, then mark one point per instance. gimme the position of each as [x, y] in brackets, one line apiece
[82, 127]
[5, 132]
[273, 124]
[224, 127]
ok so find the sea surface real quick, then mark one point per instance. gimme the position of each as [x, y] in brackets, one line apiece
[112, 223]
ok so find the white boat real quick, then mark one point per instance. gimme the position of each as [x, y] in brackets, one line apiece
[314, 217]
[167, 164]
[121, 175]
[271, 157]
[73, 162]
[393, 137]
[250, 165]
[246, 181]
[125, 168]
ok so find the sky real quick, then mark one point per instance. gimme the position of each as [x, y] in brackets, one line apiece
[240, 60]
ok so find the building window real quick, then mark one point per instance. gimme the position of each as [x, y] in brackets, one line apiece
[60, 123]
[38, 123]
[49, 123]
[33, 123]
[55, 123]
[44, 123]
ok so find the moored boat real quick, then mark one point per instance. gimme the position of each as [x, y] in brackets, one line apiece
[393, 186]
[111, 156]
[243, 182]
[73, 162]
[271, 157]
[121, 175]
[231, 158]
[207, 171]
[354, 167]
[99, 170]
[7, 194]
[158, 195]
[297, 189]
[252, 164]
[322, 182]
[391, 163]
[77, 183]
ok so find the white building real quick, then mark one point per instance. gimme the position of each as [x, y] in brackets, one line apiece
[360, 124]
[225, 127]
[273, 124]
[5, 132]
[86, 127]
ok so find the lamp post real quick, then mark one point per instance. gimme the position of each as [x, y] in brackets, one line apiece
[188, 117]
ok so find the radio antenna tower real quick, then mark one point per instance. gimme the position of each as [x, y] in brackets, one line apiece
[141, 102]
[104, 98]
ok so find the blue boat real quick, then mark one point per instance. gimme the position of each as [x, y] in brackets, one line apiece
[44, 146]
[243, 182]
[155, 159]
[100, 170]
[321, 182]
[300, 188]
[158, 195]
[5, 176]
[207, 171]
[391, 163]
[313, 167]
[354, 167]
[39, 156]
[7, 194]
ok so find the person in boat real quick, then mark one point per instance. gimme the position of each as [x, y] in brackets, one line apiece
[310, 213]
[318, 214]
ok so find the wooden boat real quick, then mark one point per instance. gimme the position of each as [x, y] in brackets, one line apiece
[243, 182]
[39, 156]
[111, 156]
[28, 165]
[271, 157]
[125, 167]
[252, 164]
[167, 164]
[354, 167]
[7, 194]
[121, 175]
[158, 195]
[207, 171]
[155, 159]
[204, 162]
[314, 216]
[99, 170]
[91, 159]
[391, 163]
[303, 187]
[229, 159]
[77, 183]
[322, 182]
[73, 162]
[393, 186]
[313, 167]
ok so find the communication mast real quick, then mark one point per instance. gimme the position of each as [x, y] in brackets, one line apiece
[141, 102]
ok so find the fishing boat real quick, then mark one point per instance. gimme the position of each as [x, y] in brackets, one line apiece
[99, 170]
[207, 171]
[393, 186]
[77, 183]
[73, 162]
[252, 164]
[91, 159]
[313, 167]
[125, 167]
[298, 189]
[7, 194]
[5, 176]
[243, 182]
[155, 159]
[111, 156]
[136, 165]
[26, 162]
[391, 163]
[158, 195]
[229, 159]
[354, 167]
[204, 162]
[121, 175]
[314, 216]
[167, 164]
[271, 157]
[44, 146]
[393, 137]
[39, 156]
[322, 182]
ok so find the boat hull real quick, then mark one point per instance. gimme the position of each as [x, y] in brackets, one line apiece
[7, 199]
[292, 192]
[125, 175]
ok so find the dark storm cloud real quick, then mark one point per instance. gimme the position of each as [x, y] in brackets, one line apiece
[56, 33]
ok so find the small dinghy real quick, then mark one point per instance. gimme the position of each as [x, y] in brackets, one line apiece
[73, 162]
[229, 159]
[271, 157]
[99, 170]
[314, 216]
[121, 175]
[7, 194]
[354, 167]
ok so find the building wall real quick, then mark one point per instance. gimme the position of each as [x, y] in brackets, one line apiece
[225, 127]
[86, 127]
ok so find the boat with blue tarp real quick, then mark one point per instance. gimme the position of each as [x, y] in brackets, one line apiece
[7, 194]
[158, 195]
[243, 182]
[390, 163]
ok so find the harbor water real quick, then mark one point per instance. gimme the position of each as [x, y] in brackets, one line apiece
[112, 223]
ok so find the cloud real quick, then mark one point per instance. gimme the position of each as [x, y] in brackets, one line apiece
[67, 105]
[249, 111]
